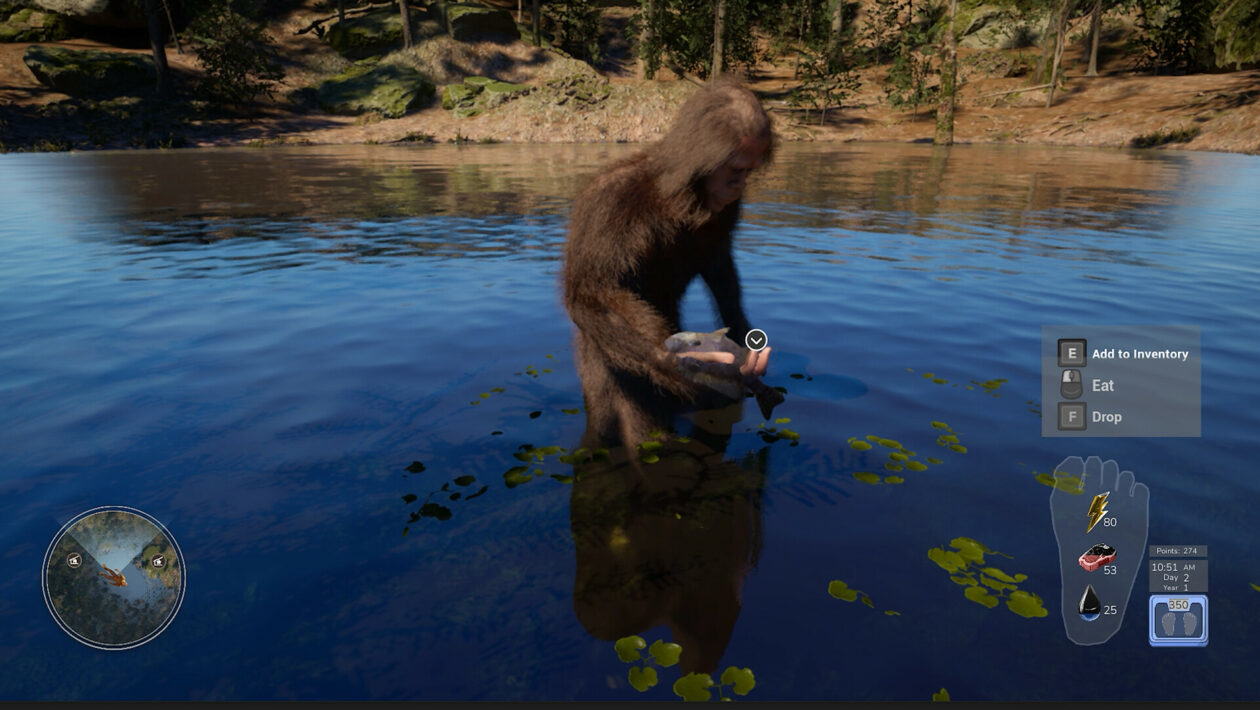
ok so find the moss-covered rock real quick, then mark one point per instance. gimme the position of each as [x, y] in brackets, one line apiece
[456, 96]
[101, 13]
[30, 25]
[1237, 40]
[467, 20]
[982, 24]
[89, 72]
[388, 89]
[368, 35]
[497, 93]
[477, 83]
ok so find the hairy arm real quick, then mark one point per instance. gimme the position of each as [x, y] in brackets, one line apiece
[610, 231]
[720, 275]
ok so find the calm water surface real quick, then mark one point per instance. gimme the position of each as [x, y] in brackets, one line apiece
[253, 346]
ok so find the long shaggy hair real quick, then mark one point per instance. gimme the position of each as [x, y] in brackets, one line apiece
[709, 129]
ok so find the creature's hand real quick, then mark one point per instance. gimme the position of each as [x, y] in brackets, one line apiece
[755, 363]
[719, 364]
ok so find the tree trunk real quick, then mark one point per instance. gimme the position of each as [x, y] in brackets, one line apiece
[837, 28]
[406, 23]
[520, 10]
[1060, 33]
[719, 33]
[341, 10]
[1095, 19]
[647, 38]
[1047, 47]
[949, 82]
[158, 44]
[171, 22]
[535, 13]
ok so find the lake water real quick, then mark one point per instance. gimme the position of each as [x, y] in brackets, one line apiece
[254, 345]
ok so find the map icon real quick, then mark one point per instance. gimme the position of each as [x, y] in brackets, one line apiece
[113, 578]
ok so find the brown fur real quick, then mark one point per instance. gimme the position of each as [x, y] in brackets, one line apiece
[639, 233]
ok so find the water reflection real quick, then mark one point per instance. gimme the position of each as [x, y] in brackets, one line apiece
[669, 542]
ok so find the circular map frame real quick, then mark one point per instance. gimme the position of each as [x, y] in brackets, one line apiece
[166, 620]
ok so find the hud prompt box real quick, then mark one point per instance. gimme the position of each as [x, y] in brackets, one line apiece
[1120, 380]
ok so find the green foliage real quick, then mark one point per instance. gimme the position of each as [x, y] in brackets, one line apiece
[681, 34]
[1175, 35]
[574, 26]
[941, 697]
[911, 66]
[1157, 138]
[237, 55]
[824, 84]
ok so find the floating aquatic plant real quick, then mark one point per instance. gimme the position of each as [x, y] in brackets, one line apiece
[941, 697]
[845, 593]
[985, 584]
[1062, 481]
[692, 686]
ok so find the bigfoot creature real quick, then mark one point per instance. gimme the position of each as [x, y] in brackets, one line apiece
[640, 232]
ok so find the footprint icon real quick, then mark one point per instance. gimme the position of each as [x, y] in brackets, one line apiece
[1188, 622]
[1169, 621]
[1119, 521]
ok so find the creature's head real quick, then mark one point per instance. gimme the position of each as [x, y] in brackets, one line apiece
[720, 135]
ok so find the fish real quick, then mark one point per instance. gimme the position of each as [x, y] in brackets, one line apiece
[725, 379]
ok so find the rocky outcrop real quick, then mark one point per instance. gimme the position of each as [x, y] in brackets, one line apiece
[466, 20]
[377, 33]
[986, 25]
[104, 13]
[478, 93]
[387, 89]
[89, 72]
[27, 24]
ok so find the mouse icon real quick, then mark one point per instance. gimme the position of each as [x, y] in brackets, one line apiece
[1071, 387]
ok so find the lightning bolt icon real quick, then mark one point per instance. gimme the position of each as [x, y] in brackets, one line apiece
[1097, 510]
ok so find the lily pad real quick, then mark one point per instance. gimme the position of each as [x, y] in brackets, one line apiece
[859, 446]
[916, 466]
[571, 411]
[841, 591]
[941, 697]
[628, 648]
[694, 687]
[958, 447]
[415, 467]
[898, 456]
[409, 498]
[981, 596]
[894, 479]
[665, 654]
[741, 679]
[940, 425]
[892, 466]
[934, 461]
[465, 480]
[641, 679]
[1026, 604]
[867, 477]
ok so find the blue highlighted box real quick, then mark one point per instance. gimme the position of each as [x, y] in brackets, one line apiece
[1179, 620]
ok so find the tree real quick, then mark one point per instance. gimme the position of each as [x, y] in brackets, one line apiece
[1060, 38]
[535, 13]
[719, 29]
[406, 23]
[837, 30]
[949, 81]
[648, 50]
[1095, 19]
[157, 42]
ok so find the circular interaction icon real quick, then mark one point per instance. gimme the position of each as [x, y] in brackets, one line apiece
[113, 578]
[756, 339]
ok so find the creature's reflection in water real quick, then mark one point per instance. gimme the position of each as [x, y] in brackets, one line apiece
[669, 542]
